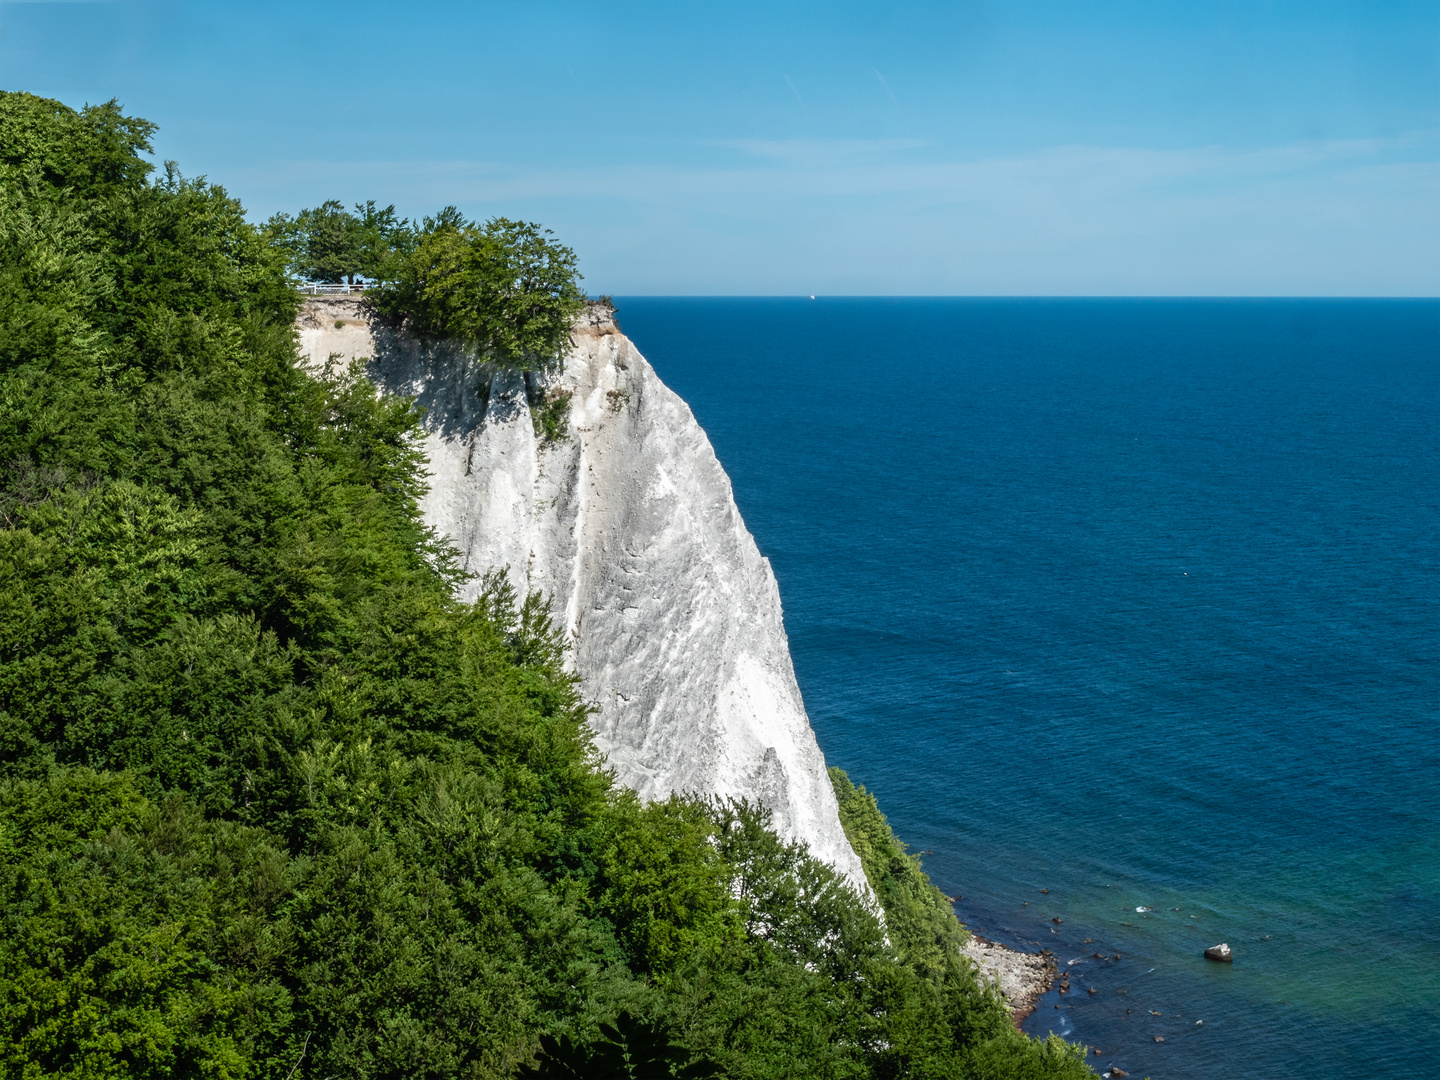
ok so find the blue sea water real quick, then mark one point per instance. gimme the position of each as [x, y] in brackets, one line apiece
[1130, 600]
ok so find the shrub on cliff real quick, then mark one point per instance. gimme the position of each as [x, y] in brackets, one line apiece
[272, 801]
[504, 288]
[917, 914]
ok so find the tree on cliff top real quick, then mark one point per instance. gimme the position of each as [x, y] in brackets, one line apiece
[327, 243]
[504, 288]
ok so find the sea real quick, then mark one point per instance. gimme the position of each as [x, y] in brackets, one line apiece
[1126, 611]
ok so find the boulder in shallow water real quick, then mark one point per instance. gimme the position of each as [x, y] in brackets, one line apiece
[1220, 953]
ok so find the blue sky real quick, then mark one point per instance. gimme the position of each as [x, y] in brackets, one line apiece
[1100, 148]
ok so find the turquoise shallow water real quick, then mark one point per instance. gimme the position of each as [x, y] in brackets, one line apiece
[1133, 601]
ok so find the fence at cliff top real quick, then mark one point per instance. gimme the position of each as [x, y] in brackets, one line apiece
[310, 289]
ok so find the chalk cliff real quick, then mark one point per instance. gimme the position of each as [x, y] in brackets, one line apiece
[629, 523]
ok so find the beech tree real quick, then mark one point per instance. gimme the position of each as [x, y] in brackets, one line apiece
[329, 244]
[506, 288]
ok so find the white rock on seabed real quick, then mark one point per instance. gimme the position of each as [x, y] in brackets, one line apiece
[630, 525]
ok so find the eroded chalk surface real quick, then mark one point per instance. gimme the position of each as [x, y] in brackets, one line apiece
[629, 524]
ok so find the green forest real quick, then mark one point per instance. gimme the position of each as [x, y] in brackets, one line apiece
[273, 802]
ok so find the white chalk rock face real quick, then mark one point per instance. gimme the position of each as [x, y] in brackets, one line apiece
[630, 525]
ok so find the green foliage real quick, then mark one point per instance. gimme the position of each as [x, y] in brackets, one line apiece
[551, 416]
[140, 940]
[329, 244]
[273, 803]
[917, 914]
[664, 884]
[88, 153]
[503, 288]
[628, 1049]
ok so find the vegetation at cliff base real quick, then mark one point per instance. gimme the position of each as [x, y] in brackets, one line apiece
[273, 802]
[917, 915]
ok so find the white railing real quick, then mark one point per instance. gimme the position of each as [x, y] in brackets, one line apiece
[330, 290]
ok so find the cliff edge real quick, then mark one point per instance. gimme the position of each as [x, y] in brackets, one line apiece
[627, 520]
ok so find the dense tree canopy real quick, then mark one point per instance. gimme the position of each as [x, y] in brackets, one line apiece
[273, 803]
[506, 288]
[329, 244]
[503, 287]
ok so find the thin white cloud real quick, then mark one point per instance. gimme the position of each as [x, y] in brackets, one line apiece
[888, 91]
[820, 153]
[798, 98]
[837, 169]
[1338, 217]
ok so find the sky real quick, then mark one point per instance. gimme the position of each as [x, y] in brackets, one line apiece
[780, 148]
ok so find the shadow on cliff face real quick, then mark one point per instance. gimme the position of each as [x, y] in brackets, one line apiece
[769, 783]
[449, 382]
[458, 391]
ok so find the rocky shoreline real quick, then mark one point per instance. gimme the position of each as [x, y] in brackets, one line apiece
[1023, 978]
